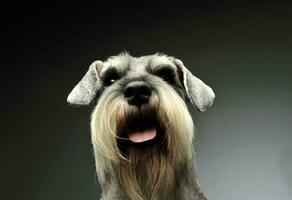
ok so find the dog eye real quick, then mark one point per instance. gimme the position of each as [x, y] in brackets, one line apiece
[167, 74]
[110, 78]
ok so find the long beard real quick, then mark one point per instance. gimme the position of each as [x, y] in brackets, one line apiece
[147, 174]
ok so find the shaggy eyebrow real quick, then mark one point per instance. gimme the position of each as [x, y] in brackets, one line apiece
[160, 67]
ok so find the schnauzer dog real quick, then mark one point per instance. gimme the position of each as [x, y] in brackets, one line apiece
[142, 132]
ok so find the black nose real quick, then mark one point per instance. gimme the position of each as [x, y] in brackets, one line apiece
[137, 93]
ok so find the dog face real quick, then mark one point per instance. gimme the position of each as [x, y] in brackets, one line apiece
[136, 82]
[141, 107]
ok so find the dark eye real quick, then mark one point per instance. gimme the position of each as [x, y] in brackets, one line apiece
[110, 77]
[167, 74]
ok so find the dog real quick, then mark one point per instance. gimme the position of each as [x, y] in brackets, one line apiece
[142, 132]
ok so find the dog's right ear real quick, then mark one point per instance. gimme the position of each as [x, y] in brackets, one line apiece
[84, 92]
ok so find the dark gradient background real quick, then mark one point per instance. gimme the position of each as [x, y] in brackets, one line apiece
[243, 50]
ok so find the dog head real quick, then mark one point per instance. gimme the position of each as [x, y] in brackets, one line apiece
[101, 75]
[140, 105]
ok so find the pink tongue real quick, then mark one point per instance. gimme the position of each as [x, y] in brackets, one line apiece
[144, 136]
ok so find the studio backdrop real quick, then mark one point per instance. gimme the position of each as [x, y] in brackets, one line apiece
[243, 51]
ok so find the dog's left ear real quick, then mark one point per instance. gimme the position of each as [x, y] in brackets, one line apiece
[84, 92]
[200, 94]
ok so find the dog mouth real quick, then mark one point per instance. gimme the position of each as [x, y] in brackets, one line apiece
[142, 127]
[141, 136]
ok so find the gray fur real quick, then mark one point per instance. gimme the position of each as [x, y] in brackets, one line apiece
[84, 92]
[200, 94]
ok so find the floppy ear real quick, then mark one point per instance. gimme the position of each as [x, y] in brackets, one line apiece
[200, 94]
[84, 92]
